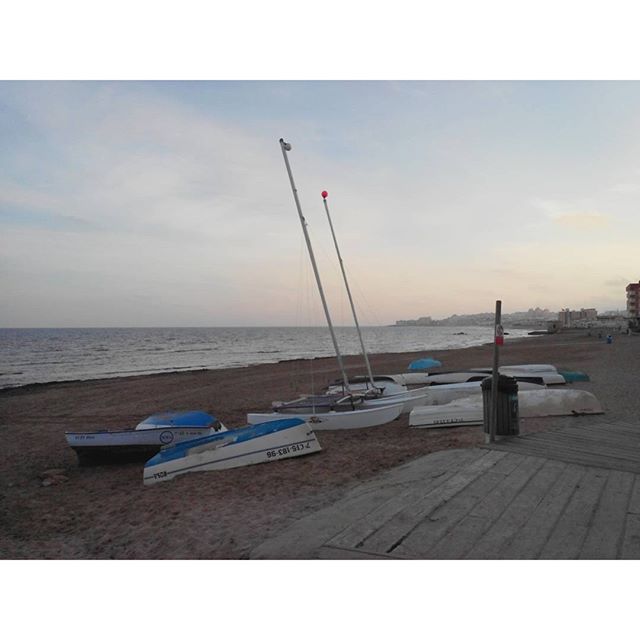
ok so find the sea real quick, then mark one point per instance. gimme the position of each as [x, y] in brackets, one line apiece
[29, 356]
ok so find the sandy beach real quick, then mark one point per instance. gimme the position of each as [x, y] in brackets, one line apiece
[106, 512]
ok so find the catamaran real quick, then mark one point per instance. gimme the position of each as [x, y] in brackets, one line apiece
[332, 410]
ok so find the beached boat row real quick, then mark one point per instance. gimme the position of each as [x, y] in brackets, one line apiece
[176, 443]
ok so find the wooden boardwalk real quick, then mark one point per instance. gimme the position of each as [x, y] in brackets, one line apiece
[567, 494]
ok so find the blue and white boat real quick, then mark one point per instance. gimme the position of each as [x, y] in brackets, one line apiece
[143, 441]
[265, 442]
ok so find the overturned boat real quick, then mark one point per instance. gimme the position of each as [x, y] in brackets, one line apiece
[453, 377]
[265, 442]
[142, 441]
[531, 404]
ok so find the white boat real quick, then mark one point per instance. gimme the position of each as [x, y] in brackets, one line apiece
[529, 368]
[451, 377]
[266, 442]
[144, 440]
[444, 393]
[333, 420]
[531, 404]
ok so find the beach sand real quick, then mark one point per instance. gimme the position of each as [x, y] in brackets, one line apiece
[106, 512]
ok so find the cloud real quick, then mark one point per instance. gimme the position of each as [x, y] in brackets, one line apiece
[582, 221]
[617, 283]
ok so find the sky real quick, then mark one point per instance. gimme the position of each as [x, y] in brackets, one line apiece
[133, 203]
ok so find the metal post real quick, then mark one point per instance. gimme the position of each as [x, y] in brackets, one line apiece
[497, 341]
[285, 146]
[346, 284]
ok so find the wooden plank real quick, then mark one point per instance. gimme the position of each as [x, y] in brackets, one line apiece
[432, 464]
[388, 536]
[630, 548]
[532, 535]
[304, 537]
[331, 552]
[565, 541]
[615, 448]
[620, 429]
[588, 435]
[500, 533]
[606, 530]
[460, 540]
[417, 542]
[568, 455]
[362, 528]
[599, 435]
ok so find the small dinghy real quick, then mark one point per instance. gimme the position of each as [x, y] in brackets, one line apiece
[531, 404]
[265, 442]
[143, 441]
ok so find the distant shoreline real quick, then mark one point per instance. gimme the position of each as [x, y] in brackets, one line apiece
[35, 386]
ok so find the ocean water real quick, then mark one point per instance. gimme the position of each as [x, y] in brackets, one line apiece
[30, 356]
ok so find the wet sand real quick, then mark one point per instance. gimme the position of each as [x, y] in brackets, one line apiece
[106, 512]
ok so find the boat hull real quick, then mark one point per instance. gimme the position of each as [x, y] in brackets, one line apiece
[531, 404]
[409, 399]
[234, 448]
[127, 445]
[336, 420]
[455, 377]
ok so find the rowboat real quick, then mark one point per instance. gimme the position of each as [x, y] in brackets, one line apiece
[142, 441]
[265, 442]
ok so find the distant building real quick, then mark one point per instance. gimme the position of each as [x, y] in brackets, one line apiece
[633, 300]
[553, 326]
[568, 318]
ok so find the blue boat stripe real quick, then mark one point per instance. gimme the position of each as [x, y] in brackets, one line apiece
[240, 455]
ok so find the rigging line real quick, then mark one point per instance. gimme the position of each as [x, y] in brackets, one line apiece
[363, 298]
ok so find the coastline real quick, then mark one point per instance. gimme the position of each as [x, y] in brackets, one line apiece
[106, 512]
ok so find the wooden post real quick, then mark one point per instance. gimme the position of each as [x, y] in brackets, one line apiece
[498, 339]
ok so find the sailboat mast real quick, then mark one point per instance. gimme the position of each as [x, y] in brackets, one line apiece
[285, 146]
[346, 284]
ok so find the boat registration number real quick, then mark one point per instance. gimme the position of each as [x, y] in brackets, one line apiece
[283, 451]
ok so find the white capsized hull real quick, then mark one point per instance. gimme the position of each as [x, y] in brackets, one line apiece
[444, 393]
[529, 368]
[334, 420]
[454, 377]
[531, 404]
[229, 450]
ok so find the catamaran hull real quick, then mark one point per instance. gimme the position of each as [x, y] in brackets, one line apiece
[220, 454]
[531, 404]
[335, 420]
[409, 399]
